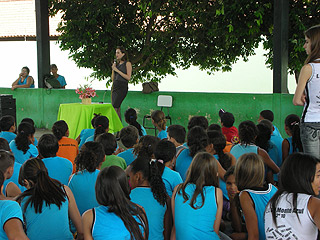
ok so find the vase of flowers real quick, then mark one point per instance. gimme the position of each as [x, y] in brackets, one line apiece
[86, 92]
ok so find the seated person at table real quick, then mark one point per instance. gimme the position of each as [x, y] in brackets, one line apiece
[129, 136]
[109, 144]
[11, 218]
[30, 121]
[85, 133]
[24, 80]
[54, 71]
[68, 147]
[82, 183]
[22, 146]
[101, 125]
[131, 118]
[177, 135]
[7, 128]
[58, 168]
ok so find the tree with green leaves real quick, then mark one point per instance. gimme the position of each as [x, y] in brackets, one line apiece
[162, 35]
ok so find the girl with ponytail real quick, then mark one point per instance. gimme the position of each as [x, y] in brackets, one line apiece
[293, 142]
[22, 146]
[88, 163]
[217, 142]
[149, 192]
[159, 121]
[46, 204]
[164, 153]
[131, 118]
[101, 125]
[116, 217]
[68, 147]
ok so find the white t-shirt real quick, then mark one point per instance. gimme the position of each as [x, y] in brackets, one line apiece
[288, 225]
[311, 111]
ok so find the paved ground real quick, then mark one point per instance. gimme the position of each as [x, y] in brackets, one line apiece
[40, 132]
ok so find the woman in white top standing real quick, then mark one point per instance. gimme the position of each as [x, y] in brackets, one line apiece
[308, 93]
[294, 211]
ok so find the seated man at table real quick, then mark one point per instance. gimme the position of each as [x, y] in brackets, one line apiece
[61, 79]
[129, 136]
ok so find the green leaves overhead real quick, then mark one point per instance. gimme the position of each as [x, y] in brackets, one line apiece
[161, 35]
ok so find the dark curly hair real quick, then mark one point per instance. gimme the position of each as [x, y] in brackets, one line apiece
[248, 132]
[197, 140]
[90, 156]
[146, 146]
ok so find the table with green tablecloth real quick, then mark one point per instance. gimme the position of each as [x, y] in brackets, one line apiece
[78, 116]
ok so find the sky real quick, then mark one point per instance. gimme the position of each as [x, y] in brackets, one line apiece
[246, 77]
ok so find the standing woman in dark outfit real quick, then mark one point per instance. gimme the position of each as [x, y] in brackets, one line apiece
[121, 74]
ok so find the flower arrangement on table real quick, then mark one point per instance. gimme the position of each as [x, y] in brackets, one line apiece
[86, 92]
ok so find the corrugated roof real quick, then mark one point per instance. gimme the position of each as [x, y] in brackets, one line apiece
[18, 20]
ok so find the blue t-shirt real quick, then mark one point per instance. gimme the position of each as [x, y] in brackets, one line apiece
[222, 183]
[170, 179]
[183, 162]
[128, 156]
[8, 210]
[114, 230]
[35, 142]
[9, 136]
[276, 131]
[25, 82]
[90, 139]
[82, 185]
[193, 223]
[59, 168]
[274, 155]
[240, 149]
[14, 178]
[163, 134]
[61, 80]
[85, 133]
[21, 157]
[260, 200]
[155, 212]
[52, 223]
[277, 141]
[143, 130]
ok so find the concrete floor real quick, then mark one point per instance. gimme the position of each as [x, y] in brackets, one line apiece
[40, 131]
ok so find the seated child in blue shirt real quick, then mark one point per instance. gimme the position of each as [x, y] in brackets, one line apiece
[7, 128]
[129, 136]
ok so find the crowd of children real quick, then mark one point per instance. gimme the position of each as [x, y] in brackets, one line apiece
[211, 182]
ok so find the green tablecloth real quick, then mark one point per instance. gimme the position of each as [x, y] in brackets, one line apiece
[78, 116]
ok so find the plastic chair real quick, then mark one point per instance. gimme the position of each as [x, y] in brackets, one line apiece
[164, 101]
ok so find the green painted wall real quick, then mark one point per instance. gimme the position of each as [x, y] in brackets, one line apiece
[42, 105]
